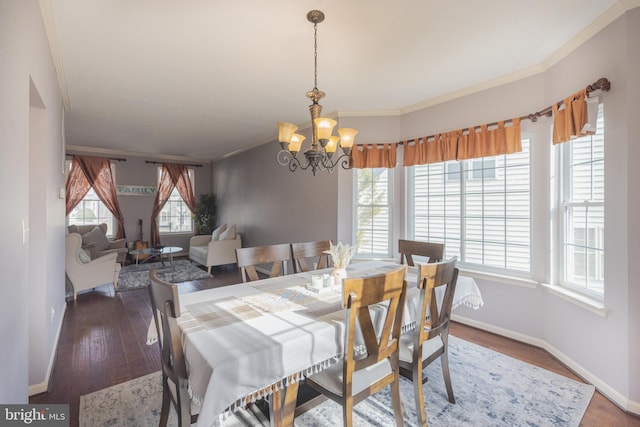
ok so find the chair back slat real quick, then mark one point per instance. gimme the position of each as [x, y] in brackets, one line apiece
[274, 255]
[433, 276]
[359, 295]
[310, 251]
[409, 248]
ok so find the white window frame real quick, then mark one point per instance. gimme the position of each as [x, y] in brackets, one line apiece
[568, 277]
[108, 218]
[463, 177]
[389, 206]
[164, 214]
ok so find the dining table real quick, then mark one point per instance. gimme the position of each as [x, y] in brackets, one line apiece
[247, 341]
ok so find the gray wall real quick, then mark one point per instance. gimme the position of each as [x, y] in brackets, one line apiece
[272, 205]
[32, 300]
[604, 348]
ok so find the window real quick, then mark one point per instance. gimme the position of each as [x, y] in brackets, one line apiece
[583, 211]
[479, 208]
[373, 212]
[175, 216]
[91, 210]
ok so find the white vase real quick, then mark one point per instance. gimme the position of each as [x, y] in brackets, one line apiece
[338, 274]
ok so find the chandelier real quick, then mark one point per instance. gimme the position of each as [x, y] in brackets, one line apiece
[323, 144]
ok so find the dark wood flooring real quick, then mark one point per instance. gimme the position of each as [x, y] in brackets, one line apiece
[103, 343]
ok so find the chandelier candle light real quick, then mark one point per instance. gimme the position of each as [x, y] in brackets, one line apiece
[323, 143]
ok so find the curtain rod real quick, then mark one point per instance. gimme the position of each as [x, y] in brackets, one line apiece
[602, 83]
[160, 163]
[115, 159]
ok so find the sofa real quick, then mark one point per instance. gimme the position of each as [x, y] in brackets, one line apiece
[85, 273]
[94, 240]
[218, 248]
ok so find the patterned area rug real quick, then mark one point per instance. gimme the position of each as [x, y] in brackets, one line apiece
[137, 276]
[491, 389]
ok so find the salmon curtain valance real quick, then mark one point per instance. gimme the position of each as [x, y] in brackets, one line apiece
[464, 144]
[573, 120]
[373, 156]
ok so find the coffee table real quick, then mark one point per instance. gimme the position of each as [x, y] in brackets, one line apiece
[156, 252]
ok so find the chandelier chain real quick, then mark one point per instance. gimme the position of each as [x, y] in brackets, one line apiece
[315, 56]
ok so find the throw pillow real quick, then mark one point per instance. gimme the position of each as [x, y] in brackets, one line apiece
[218, 231]
[84, 256]
[229, 233]
[97, 237]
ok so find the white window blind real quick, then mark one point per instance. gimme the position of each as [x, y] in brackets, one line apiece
[583, 211]
[373, 212]
[479, 208]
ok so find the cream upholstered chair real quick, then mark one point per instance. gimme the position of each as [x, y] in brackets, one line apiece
[277, 256]
[83, 272]
[360, 375]
[97, 242]
[310, 251]
[429, 341]
[409, 248]
[210, 250]
[175, 383]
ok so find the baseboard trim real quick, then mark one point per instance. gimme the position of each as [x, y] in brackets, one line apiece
[609, 392]
[43, 387]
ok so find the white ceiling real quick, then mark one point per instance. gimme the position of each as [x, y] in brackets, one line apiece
[204, 78]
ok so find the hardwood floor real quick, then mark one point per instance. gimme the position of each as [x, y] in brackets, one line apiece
[103, 343]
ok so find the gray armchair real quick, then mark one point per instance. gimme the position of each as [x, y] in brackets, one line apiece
[97, 243]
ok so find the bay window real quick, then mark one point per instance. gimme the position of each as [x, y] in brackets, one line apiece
[582, 222]
[479, 208]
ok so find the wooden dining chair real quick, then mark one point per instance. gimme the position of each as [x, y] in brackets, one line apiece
[312, 252]
[371, 365]
[409, 248]
[429, 341]
[175, 384]
[275, 255]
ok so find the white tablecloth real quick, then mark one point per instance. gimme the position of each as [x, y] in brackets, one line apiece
[246, 340]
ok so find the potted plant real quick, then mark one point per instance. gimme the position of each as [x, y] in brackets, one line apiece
[205, 215]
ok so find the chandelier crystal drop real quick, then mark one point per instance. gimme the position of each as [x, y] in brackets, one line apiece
[320, 154]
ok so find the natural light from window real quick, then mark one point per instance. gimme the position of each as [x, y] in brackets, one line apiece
[175, 216]
[583, 211]
[479, 208]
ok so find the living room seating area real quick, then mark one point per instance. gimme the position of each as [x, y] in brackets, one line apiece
[96, 242]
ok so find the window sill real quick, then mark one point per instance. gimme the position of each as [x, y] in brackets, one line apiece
[578, 299]
[509, 280]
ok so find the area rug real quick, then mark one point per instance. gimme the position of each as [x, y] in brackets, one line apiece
[137, 403]
[136, 276]
[491, 389]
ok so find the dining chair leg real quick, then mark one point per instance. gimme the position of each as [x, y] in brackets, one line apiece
[418, 393]
[396, 401]
[445, 373]
[347, 412]
[166, 402]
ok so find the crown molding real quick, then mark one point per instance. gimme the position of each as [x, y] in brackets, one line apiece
[104, 152]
